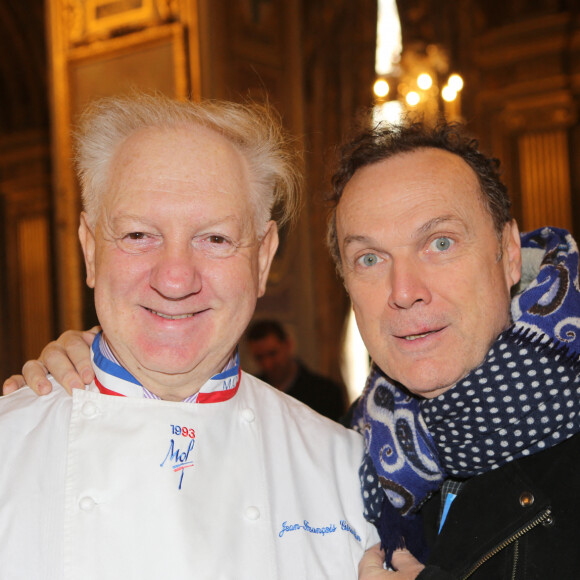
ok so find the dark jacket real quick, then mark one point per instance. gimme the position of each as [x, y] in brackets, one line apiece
[521, 521]
[318, 392]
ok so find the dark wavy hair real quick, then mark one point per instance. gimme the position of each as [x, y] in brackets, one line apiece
[387, 140]
[265, 327]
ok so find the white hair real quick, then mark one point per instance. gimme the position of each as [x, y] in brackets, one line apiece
[255, 130]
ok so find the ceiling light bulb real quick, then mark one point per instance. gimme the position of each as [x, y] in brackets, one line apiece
[455, 82]
[381, 88]
[448, 93]
[413, 98]
[424, 81]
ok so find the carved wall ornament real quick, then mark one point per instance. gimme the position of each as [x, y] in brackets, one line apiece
[90, 20]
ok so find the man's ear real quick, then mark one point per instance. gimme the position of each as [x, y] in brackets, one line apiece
[266, 252]
[512, 253]
[87, 238]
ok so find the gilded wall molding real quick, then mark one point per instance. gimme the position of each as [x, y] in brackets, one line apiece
[86, 21]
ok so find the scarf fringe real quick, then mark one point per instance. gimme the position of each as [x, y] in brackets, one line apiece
[397, 532]
[545, 344]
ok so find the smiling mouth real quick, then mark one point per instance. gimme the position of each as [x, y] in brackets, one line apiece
[417, 336]
[170, 316]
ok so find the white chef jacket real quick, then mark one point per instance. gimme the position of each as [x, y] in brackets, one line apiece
[102, 487]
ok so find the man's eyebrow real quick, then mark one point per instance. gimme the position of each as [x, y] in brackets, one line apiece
[435, 222]
[351, 239]
[423, 230]
[128, 216]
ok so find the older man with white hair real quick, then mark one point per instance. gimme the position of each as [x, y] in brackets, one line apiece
[174, 462]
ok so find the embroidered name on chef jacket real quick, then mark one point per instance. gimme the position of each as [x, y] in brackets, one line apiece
[324, 530]
[112, 379]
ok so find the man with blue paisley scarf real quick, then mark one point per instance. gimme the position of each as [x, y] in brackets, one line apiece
[470, 413]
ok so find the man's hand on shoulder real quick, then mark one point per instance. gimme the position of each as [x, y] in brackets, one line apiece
[68, 359]
[371, 565]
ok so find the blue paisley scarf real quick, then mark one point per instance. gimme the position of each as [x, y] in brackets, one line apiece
[522, 399]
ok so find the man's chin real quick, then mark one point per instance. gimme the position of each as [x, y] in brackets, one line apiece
[162, 368]
[165, 361]
[425, 386]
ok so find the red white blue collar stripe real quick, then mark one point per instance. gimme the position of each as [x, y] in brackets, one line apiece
[113, 379]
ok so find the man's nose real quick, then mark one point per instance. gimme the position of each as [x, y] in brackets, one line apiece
[177, 272]
[268, 364]
[408, 285]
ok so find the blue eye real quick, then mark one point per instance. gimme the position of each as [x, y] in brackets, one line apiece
[441, 244]
[369, 259]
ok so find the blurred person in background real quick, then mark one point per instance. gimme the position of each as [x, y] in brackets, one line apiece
[273, 350]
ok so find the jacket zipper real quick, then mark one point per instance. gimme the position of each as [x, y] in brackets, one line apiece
[516, 559]
[541, 517]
